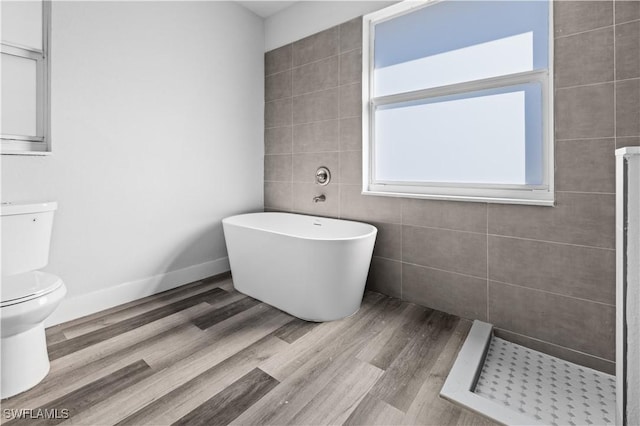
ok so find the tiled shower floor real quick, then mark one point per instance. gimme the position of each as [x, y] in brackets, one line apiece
[545, 388]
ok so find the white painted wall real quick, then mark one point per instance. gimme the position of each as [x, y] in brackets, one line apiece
[305, 18]
[157, 130]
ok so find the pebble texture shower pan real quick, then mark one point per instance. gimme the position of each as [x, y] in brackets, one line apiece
[516, 385]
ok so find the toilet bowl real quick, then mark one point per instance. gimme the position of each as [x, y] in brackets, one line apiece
[27, 296]
[27, 301]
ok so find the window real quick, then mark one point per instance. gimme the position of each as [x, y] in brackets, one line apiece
[458, 101]
[24, 126]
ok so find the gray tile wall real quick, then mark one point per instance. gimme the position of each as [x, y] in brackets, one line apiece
[544, 276]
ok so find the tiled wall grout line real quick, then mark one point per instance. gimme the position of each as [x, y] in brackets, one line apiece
[595, 84]
[339, 120]
[320, 121]
[487, 242]
[291, 59]
[399, 261]
[276, 73]
[584, 192]
[553, 293]
[358, 116]
[600, 83]
[550, 242]
[339, 125]
[445, 229]
[434, 268]
[555, 344]
[339, 45]
[359, 150]
[314, 61]
[626, 22]
[312, 122]
[292, 141]
[401, 249]
[488, 304]
[583, 139]
[284, 98]
[563, 36]
[325, 152]
[501, 235]
[339, 201]
[324, 59]
[325, 89]
[615, 77]
[622, 80]
[313, 152]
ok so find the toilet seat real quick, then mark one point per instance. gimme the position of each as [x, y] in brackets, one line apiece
[24, 287]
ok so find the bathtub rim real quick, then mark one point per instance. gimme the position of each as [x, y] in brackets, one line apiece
[373, 230]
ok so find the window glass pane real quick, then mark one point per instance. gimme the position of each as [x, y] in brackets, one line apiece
[456, 41]
[485, 137]
[22, 23]
[19, 98]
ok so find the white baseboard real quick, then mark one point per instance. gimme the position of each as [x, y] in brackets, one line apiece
[87, 304]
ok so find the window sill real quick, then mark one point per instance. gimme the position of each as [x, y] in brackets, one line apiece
[29, 153]
[15, 145]
[545, 199]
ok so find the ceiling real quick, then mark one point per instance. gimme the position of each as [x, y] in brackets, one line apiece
[266, 8]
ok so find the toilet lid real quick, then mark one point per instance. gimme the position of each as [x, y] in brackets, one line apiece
[27, 286]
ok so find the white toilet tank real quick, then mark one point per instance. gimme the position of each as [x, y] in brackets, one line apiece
[26, 236]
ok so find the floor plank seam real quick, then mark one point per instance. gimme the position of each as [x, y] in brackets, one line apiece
[207, 354]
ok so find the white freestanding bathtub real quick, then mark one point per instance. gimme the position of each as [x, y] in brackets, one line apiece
[311, 267]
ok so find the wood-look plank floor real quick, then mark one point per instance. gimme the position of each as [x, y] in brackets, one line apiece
[204, 354]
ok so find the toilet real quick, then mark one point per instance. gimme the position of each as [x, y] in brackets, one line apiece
[27, 296]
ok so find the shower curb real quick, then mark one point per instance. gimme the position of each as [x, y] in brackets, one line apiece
[462, 379]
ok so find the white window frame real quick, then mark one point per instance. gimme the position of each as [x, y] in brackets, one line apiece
[39, 144]
[488, 193]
